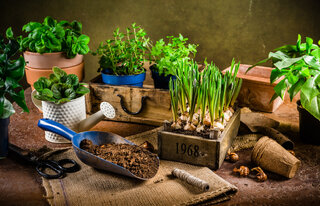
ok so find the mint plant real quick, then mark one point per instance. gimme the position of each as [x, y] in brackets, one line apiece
[299, 64]
[60, 87]
[11, 72]
[53, 36]
[166, 56]
[126, 53]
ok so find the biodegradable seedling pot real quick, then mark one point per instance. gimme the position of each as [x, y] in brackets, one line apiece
[270, 155]
[308, 126]
[49, 60]
[256, 91]
[33, 74]
[4, 123]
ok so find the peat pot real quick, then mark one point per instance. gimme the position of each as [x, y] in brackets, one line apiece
[69, 114]
[198, 150]
[4, 123]
[256, 91]
[161, 81]
[309, 126]
[130, 80]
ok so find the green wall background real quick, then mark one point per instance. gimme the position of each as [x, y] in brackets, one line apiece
[244, 29]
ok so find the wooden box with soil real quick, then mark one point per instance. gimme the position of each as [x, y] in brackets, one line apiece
[145, 105]
[198, 150]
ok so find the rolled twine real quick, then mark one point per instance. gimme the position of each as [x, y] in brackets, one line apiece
[192, 180]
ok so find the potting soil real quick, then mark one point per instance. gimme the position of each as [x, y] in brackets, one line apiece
[137, 160]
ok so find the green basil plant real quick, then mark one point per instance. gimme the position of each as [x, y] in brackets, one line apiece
[60, 87]
[167, 55]
[300, 66]
[11, 72]
[125, 53]
[53, 36]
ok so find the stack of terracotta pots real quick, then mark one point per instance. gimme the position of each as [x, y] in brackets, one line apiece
[40, 65]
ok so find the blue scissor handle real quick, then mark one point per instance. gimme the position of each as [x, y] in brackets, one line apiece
[55, 127]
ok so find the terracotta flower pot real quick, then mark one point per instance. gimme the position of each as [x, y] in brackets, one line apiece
[34, 74]
[49, 60]
[256, 91]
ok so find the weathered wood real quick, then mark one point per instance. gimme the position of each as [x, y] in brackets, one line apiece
[156, 108]
[198, 150]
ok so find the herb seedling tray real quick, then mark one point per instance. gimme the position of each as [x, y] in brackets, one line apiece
[256, 91]
[154, 108]
[198, 150]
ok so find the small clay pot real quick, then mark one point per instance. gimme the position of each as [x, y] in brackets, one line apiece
[33, 74]
[46, 61]
[271, 156]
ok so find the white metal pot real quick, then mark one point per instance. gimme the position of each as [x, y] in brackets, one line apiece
[68, 114]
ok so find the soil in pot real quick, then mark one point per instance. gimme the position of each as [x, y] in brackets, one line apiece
[137, 160]
[309, 126]
[160, 80]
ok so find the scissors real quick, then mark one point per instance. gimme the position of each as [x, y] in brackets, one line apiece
[58, 167]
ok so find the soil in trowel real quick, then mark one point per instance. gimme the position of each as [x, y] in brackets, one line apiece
[137, 160]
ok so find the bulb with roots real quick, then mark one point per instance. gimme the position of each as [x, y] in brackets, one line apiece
[200, 128]
[206, 120]
[189, 127]
[176, 124]
[184, 117]
[195, 119]
[217, 125]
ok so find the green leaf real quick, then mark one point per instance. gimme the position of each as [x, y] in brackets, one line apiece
[312, 105]
[76, 26]
[285, 63]
[63, 100]
[280, 88]
[72, 79]
[16, 69]
[8, 109]
[309, 43]
[59, 72]
[9, 33]
[49, 21]
[56, 91]
[293, 91]
[82, 90]
[11, 83]
[84, 39]
[39, 86]
[309, 88]
[19, 99]
[47, 92]
[275, 75]
[70, 93]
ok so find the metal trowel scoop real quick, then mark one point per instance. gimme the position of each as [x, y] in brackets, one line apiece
[106, 110]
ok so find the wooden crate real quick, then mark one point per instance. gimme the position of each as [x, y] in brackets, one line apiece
[156, 106]
[198, 150]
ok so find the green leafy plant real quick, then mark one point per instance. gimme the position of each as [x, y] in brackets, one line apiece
[11, 72]
[60, 87]
[53, 36]
[206, 98]
[167, 56]
[300, 68]
[126, 53]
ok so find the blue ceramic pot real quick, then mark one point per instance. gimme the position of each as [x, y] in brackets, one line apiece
[161, 81]
[131, 80]
[4, 123]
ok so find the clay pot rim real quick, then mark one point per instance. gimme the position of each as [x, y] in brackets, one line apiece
[47, 54]
[63, 68]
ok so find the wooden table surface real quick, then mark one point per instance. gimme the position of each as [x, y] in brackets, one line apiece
[21, 185]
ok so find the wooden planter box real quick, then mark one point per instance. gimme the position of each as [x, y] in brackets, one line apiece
[256, 91]
[155, 108]
[198, 150]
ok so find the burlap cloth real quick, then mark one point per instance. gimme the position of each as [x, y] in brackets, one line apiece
[95, 187]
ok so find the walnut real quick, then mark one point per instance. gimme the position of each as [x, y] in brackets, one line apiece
[232, 156]
[147, 145]
[243, 171]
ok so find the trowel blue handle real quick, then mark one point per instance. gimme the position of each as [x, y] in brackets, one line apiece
[55, 127]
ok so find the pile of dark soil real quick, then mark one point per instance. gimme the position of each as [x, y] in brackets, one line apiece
[137, 160]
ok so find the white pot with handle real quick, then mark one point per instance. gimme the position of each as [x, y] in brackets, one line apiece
[71, 114]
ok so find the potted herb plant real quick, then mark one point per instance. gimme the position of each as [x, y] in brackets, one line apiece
[122, 58]
[205, 119]
[299, 66]
[11, 72]
[61, 98]
[53, 43]
[165, 56]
